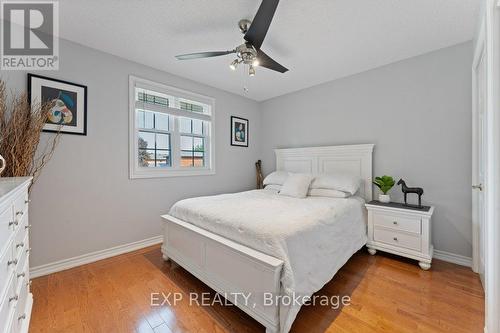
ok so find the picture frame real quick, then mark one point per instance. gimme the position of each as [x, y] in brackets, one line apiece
[239, 131]
[69, 115]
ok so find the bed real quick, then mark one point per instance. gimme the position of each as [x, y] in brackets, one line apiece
[264, 246]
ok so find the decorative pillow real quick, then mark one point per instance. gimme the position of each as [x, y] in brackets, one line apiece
[338, 181]
[276, 178]
[273, 187]
[323, 192]
[296, 185]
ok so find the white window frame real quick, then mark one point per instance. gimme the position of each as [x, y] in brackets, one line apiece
[175, 170]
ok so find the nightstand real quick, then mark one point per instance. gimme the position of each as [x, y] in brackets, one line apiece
[401, 230]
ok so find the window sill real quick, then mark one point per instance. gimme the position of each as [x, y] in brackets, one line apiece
[170, 173]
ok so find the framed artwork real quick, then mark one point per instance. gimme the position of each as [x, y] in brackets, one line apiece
[69, 113]
[239, 131]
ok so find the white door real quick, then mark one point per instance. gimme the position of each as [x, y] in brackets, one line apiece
[479, 162]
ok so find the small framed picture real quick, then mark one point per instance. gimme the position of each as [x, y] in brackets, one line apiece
[69, 114]
[239, 131]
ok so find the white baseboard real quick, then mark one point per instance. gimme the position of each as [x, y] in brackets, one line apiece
[453, 258]
[64, 264]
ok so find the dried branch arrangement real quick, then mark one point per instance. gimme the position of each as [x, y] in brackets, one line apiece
[20, 128]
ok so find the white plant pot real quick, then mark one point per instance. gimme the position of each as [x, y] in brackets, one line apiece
[385, 198]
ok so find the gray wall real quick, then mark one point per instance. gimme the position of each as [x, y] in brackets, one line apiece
[84, 200]
[417, 112]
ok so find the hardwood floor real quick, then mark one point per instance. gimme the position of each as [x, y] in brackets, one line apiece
[388, 294]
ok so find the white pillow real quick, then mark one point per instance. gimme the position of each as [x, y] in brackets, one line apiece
[296, 185]
[276, 178]
[338, 181]
[273, 187]
[323, 192]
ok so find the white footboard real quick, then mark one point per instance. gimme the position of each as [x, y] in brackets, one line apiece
[227, 267]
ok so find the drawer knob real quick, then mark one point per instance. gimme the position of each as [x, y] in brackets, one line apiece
[21, 317]
[394, 222]
[19, 213]
[21, 275]
[12, 262]
[395, 238]
[28, 226]
[13, 298]
[27, 201]
[19, 245]
[28, 284]
[13, 223]
[28, 250]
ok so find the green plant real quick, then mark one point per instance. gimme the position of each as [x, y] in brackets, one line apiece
[384, 183]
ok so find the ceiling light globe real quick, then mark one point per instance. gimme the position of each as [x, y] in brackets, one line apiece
[251, 71]
[233, 65]
[255, 63]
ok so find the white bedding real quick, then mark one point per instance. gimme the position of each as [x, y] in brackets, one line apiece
[314, 236]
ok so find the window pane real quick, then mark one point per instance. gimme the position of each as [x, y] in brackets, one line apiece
[198, 144]
[146, 158]
[162, 141]
[140, 119]
[185, 125]
[197, 126]
[184, 105]
[152, 97]
[146, 140]
[199, 159]
[186, 158]
[187, 143]
[162, 158]
[148, 119]
[161, 121]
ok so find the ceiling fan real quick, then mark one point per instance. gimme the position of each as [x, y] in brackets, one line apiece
[249, 53]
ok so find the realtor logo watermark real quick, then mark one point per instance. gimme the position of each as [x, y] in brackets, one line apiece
[29, 35]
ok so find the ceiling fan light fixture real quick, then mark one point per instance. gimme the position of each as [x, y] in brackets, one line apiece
[234, 64]
[251, 70]
[255, 62]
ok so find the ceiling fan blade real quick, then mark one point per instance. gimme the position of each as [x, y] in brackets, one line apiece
[203, 55]
[267, 62]
[261, 22]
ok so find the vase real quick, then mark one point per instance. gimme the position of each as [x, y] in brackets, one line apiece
[385, 198]
[3, 164]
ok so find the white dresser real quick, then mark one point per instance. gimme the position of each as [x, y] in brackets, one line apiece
[16, 299]
[400, 230]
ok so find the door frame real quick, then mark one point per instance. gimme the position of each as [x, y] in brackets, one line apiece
[480, 51]
[490, 17]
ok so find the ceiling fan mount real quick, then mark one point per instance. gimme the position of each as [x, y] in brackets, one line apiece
[244, 25]
[249, 53]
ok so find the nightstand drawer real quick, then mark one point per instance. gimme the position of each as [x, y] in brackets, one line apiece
[399, 239]
[395, 222]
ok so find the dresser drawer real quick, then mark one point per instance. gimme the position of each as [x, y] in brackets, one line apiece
[398, 239]
[20, 240]
[20, 315]
[6, 228]
[395, 222]
[22, 262]
[21, 205]
[7, 308]
[7, 268]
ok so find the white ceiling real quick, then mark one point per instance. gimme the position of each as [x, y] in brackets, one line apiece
[318, 40]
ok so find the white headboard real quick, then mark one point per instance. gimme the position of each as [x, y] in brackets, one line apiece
[351, 159]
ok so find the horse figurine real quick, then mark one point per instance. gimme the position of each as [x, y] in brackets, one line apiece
[417, 190]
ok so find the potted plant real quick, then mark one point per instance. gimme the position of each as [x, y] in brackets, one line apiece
[384, 183]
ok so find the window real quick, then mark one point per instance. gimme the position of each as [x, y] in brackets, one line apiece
[170, 131]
